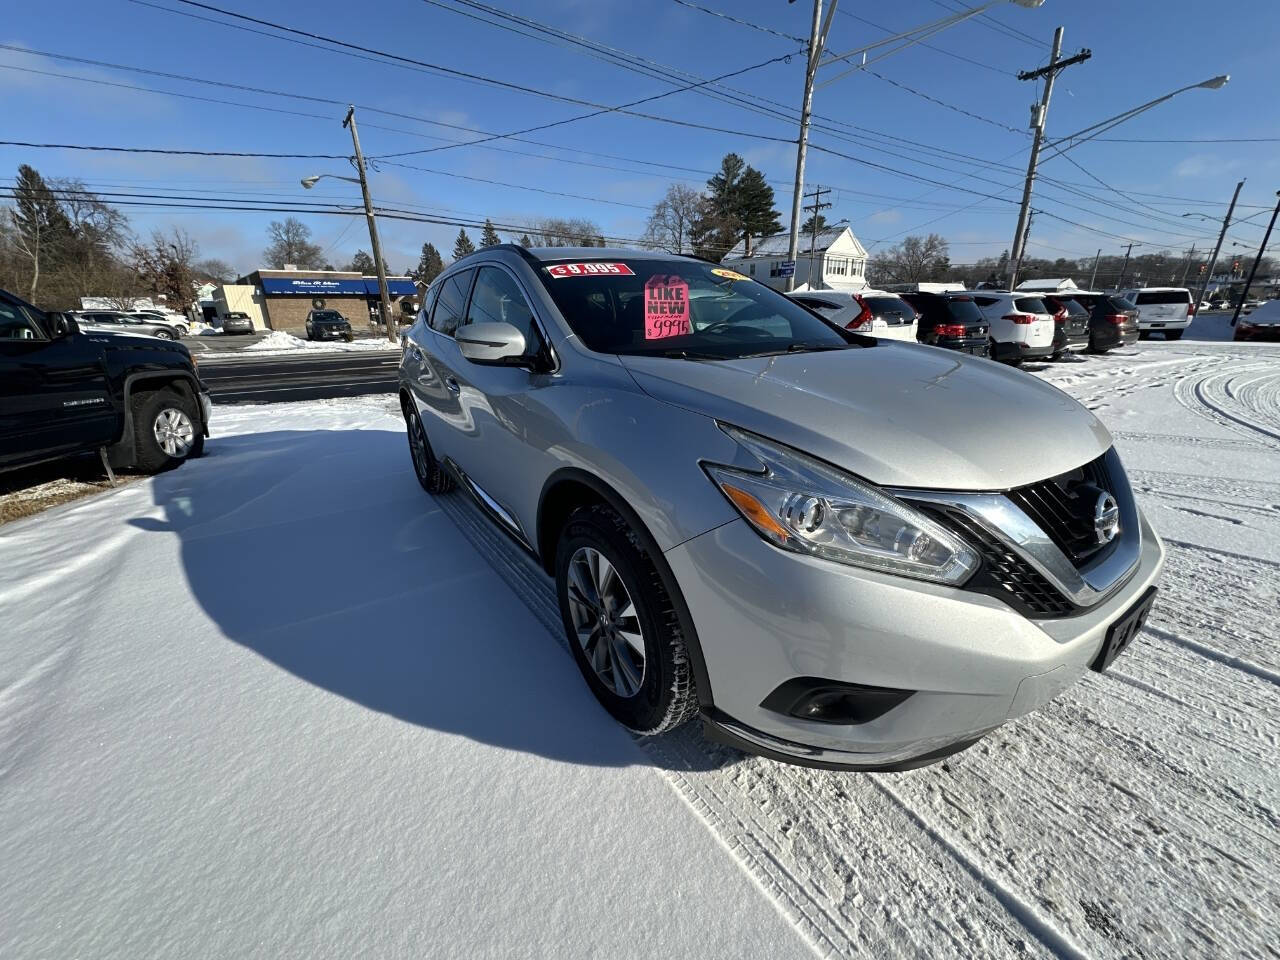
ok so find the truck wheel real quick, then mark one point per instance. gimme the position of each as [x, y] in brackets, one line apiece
[1173, 334]
[166, 430]
[621, 623]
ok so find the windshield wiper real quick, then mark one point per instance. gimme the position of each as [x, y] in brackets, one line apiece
[799, 348]
[691, 355]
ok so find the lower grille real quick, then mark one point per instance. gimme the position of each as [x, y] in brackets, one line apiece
[1004, 573]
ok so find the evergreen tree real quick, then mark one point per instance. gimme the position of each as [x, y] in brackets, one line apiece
[430, 264]
[463, 245]
[363, 264]
[739, 204]
[525, 241]
[490, 236]
[807, 227]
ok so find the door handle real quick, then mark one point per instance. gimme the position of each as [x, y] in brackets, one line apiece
[452, 384]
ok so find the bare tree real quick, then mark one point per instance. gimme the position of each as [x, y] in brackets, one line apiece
[560, 232]
[671, 223]
[913, 260]
[215, 270]
[291, 243]
[165, 267]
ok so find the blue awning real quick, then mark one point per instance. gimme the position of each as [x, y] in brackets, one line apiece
[320, 287]
[396, 288]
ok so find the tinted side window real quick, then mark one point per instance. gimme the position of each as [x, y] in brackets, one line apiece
[429, 301]
[447, 313]
[1031, 305]
[497, 298]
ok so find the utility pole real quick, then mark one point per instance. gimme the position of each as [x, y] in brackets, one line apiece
[1094, 276]
[1217, 248]
[385, 297]
[1187, 266]
[817, 41]
[1256, 260]
[1039, 113]
[1124, 266]
[816, 206]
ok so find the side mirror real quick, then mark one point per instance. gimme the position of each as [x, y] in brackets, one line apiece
[491, 343]
[64, 326]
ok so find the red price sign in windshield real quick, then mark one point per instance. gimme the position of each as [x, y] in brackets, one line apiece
[593, 269]
[666, 308]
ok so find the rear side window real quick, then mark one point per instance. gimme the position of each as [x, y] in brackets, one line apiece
[447, 313]
[985, 301]
[1163, 297]
[1074, 309]
[1031, 305]
[822, 306]
[1120, 304]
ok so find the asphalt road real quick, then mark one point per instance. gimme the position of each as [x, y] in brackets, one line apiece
[283, 379]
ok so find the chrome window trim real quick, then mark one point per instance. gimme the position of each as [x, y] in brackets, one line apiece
[1085, 587]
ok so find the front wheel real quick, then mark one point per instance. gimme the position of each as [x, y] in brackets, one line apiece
[166, 335]
[621, 623]
[166, 430]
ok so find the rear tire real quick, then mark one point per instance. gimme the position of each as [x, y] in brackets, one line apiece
[166, 430]
[612, 599]
[166, 335]
[1144, 334]
[1173, 334]
[433, 477]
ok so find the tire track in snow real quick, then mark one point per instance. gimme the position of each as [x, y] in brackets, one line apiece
[1210, 397]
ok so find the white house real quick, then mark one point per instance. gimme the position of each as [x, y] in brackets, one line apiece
[839, 260]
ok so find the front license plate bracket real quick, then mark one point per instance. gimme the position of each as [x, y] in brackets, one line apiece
[1121, 633]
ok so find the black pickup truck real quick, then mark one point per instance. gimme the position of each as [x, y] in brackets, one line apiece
[137, 399]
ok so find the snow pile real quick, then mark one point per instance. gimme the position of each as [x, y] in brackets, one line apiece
[281, 341]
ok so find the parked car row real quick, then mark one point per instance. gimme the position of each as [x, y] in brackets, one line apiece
[1011, 327]
[150, 323]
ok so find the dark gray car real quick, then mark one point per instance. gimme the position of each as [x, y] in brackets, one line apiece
[836, 550]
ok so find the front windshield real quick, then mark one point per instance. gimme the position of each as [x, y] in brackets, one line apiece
[326, 315]
[681, 308]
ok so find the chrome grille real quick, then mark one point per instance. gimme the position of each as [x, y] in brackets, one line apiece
[1063, 507]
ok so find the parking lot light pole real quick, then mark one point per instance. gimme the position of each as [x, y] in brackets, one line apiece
[309, 182]
[1256, 260]
[881, 48]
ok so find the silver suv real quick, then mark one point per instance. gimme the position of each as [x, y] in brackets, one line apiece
[837, 550]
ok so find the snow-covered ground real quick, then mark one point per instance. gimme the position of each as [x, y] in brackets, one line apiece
[280, 702]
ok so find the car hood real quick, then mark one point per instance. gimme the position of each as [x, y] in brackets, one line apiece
[895, 414]
[111, 340]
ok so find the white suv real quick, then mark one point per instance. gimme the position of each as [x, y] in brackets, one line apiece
[872, 312]
[1021, 326]
[1167, 309]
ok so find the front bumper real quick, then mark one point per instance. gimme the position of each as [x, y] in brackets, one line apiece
[764, 616]
[1250, 331]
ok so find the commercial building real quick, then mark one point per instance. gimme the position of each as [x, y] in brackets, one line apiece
[834, 260]
[281, 299]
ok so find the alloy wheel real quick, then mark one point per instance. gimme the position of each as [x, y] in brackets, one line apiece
[418, 448]
[173, 431]
[605, 622]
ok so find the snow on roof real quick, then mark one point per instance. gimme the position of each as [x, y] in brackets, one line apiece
[778, 244]
[1063, 283]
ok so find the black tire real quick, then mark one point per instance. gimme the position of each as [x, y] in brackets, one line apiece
[433, 477]
[1173, 334]
[166, 334]
[309, 336]
[1144, 334]
[145, 408]
[667, 696]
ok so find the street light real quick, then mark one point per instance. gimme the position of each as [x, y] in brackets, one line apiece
[309, 182]
[817, 43]
[1102, 126]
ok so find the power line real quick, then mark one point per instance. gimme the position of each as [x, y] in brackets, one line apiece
[943, 103]
[453, 72]
[181, 153]
[741, 23]
[927, 46]
[997, 26]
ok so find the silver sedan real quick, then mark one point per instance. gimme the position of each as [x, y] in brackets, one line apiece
[110, 321]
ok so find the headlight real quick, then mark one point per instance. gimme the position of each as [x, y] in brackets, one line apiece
[801, 504]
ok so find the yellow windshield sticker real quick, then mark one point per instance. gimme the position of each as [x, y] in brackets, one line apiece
[732, 275]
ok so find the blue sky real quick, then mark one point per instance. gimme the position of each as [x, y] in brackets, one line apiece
[1140, 51]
